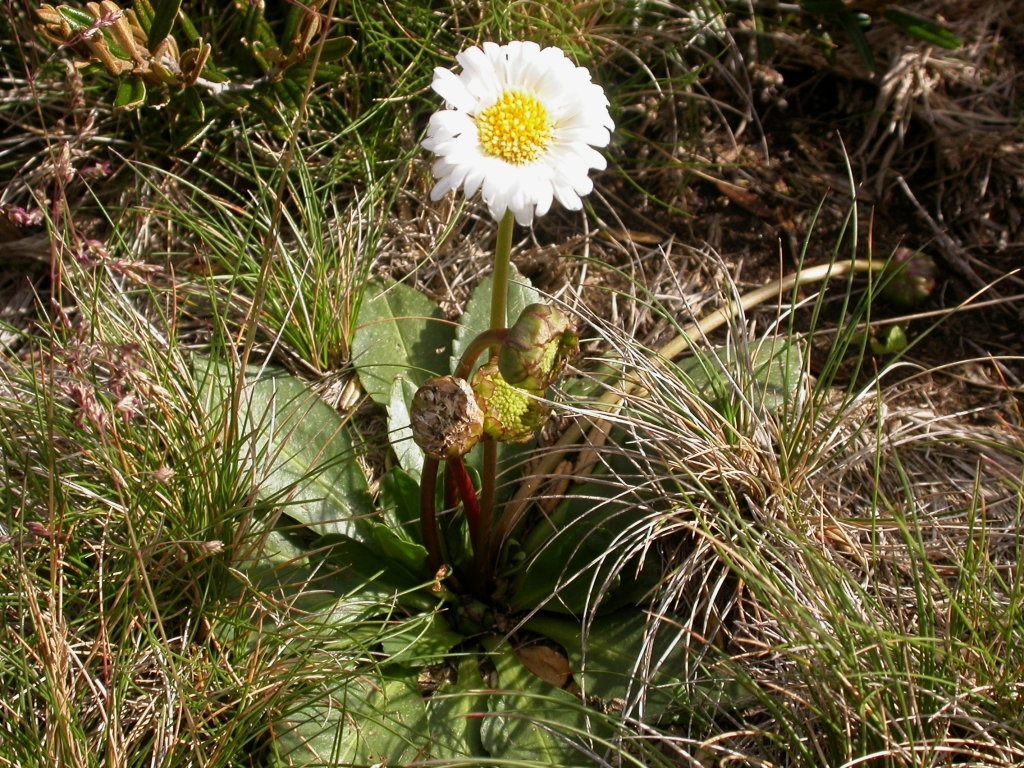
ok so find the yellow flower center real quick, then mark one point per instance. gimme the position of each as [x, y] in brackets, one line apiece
[516, 128]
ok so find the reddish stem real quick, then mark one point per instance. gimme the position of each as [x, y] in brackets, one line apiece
[451, 490]
[468, 495]
[428, 515]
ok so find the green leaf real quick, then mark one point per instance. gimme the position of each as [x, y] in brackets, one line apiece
[400, 332]
[164, 13]
[269, 112]
[531, 720]
[400, 503]
[367, 722]
[585, 556]
[301, 447]
[454, 714]
[923, 28]
[411, 556]
[194, 102]
[895, 341]
[131, 94]
[776, 370]
[822, 6]
[851, 25]
[144, 13]
[477, 317]
[336, 48]
[362, 571]
[76, 17]
[290, 93]
[624, 661]
[410, 455]
[420, 641]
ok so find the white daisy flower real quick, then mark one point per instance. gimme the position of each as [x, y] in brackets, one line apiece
[520, 126]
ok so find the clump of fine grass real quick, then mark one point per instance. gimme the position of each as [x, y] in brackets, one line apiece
[848, 558]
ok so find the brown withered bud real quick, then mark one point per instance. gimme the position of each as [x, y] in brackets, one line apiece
[446, 420]
[537, 347]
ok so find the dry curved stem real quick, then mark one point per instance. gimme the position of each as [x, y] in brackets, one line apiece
[611, 399]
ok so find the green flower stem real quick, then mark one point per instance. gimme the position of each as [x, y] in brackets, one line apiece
[492, 339]
[690, 334]
[499, 289]
[482, 560]
[428, 515]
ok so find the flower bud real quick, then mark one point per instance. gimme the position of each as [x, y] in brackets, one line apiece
[537, 347]
[511, 414]
[445, 418]
[911, 278]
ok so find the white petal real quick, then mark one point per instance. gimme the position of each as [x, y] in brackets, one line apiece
[544, 197]
[451, 88]
[566, 196]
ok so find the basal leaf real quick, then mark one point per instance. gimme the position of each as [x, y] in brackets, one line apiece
[420, 640]
[776, 368]
[531, 720]
[583, 552]
[400, 503]
[412, 557]
[400, 332]
[923, 28]
[366, 572]
[367, 722]
[410, 455]
[454, 714]
[336, 48]
[300, 446]
[624, 662]
[477, 317]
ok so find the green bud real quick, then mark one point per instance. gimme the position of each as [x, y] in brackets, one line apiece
[511, 414]
[445, 418]
[537, 347]
[912, 278]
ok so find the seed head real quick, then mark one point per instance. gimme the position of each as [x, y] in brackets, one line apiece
[445, 418]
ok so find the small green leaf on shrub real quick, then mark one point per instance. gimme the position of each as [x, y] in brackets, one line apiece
[822, 6]
[194, 102]
[164, 13]
[290, 93]
[336, 48]
[923, 28]
[144, 13]
[400, 332]
[851, 24]
[131, 94]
